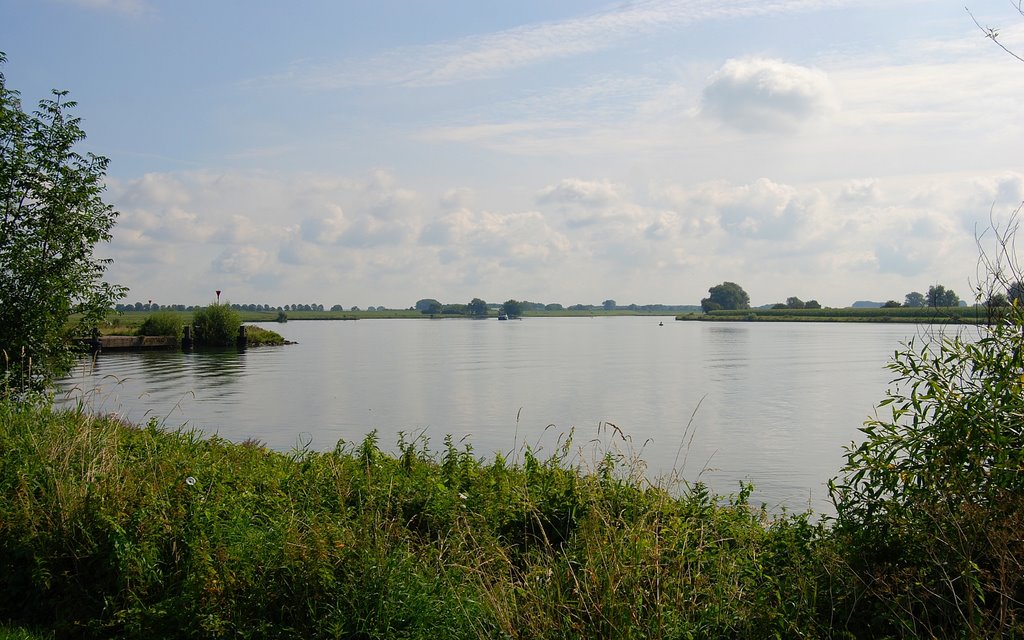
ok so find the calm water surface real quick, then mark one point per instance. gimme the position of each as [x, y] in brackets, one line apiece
[768, 403]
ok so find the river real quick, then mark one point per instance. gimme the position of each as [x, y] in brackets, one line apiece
[772, 404]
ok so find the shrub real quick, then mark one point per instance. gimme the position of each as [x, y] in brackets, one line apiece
[931, 504]
[216, 325]
[162, 323]
[259, 336]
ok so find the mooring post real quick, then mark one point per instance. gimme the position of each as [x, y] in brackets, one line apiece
[243, 337]
[186, 338]
[95, 345]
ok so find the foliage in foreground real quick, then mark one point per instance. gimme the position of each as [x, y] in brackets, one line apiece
[51, 285]
[109, 529]
[931, 504]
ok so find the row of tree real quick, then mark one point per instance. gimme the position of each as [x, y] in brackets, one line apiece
[476, 308]
[730, 295]
[937, 296]
[516, 308]
[153, 306]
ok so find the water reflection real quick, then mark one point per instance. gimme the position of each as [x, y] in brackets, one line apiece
[161, 384]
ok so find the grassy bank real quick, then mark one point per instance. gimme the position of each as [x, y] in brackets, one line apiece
[107, 529]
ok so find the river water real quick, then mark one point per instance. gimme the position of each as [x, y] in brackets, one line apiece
[772, 404]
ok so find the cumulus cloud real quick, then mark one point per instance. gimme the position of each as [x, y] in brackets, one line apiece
[576, 191]
[324, 229]
[763, 209]
[598, 237]
[583, 202]
[861, 191]
[764, 95]
[458, 198]
[243, 261]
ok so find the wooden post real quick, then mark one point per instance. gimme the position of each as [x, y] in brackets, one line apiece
[243, 337]
[186, 339]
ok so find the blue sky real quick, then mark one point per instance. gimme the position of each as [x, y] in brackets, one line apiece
[376, 153]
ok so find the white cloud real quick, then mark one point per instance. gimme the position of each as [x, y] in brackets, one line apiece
[763, 95]
[576, 191]
[242, 261]
[868, 238]
[324, 229]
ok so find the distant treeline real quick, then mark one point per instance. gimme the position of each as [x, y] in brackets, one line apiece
[152, 306]
[429, 306]
[962, 314]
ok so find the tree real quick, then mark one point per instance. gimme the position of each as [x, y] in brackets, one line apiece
[939, 296]
[727, 295]
[51, 218]
[477, 308]
[609, 305]
[914, 299]
[428, 306]
[795, 303]
[512, 308]
[891, 304]
[813, 304]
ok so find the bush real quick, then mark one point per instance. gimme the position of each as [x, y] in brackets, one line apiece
[162, 323]
[931, 504]
[216, 325]
[260, 337]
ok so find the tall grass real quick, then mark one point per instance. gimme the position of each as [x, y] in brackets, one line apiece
[108, 529]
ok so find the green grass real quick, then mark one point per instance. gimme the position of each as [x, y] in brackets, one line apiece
[18, 633]
[107, 529]
[260, 337]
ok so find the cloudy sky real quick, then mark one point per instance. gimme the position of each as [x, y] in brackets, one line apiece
[376, 153]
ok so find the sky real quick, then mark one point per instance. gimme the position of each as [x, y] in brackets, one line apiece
[377, 153]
